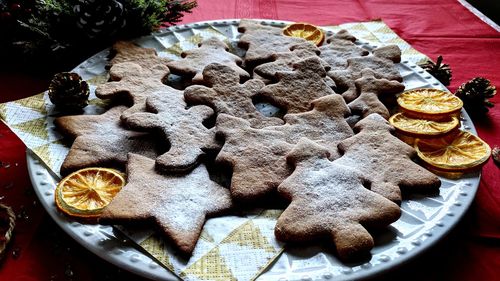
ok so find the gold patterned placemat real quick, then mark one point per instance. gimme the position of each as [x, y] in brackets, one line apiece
[230, 248]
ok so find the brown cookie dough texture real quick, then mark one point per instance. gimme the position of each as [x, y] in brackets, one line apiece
[256, 156]
[261, 42]
[209, 51]
[284, 61]
[125, 51]
[101, 141]
[226, 95]
[181, 127]
[330, 200]
[177, 204]
[342, 34]
[133, 84]
[370, 92]
[381, 63]
[384, 160]
[324, 124]
[296, 89]
[339, 48]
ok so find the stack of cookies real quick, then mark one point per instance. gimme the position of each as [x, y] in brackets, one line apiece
[328, 152]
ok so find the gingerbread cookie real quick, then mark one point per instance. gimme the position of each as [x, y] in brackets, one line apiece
[342, 34]
[330, 200]
[390, 52]
[296, 89]
[370, 91]
[226, 95]
[340, 47]
[284, 61]
[385, 160]
[177, 204]
[124, 51]
[209, 51]
[101, 140]
[256, 156]
[324, 124]
[135, 83]
[261, 42]
[180, 126]
[383, 68]
[247, 25]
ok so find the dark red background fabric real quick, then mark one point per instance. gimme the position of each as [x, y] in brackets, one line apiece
[41, 251]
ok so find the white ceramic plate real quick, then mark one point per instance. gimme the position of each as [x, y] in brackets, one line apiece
[424, 221]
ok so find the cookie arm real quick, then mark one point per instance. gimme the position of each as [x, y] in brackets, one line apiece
[368, 103]
[109, 90]
[200, 95]
[253, 86]
[201, 111]
[142, 120]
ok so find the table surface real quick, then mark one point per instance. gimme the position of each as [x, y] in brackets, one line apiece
[41, 251]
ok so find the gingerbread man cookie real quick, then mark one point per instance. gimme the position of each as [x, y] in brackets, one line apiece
[381, 63]
[226, 95]
[370, 92]
[256, 156]
[135, 83]
[181, 127]
[296, 89]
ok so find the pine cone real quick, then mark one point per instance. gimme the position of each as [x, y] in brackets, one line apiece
[439, 70]
[7, 225]
[495, 152]
[100, 18]
[68, 92]
[475, 95]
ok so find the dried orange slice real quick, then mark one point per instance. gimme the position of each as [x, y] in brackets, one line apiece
[429, 103]
[86, 192]
[460, 152]
[423, 128]
[305, 30]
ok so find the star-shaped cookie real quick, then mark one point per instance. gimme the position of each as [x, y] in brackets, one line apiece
[101, 140]
[330, 200]
[226, 95]
[209, 51]
[177, 204]
[179, 126]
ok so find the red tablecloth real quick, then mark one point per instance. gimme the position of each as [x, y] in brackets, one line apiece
[41, 251]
